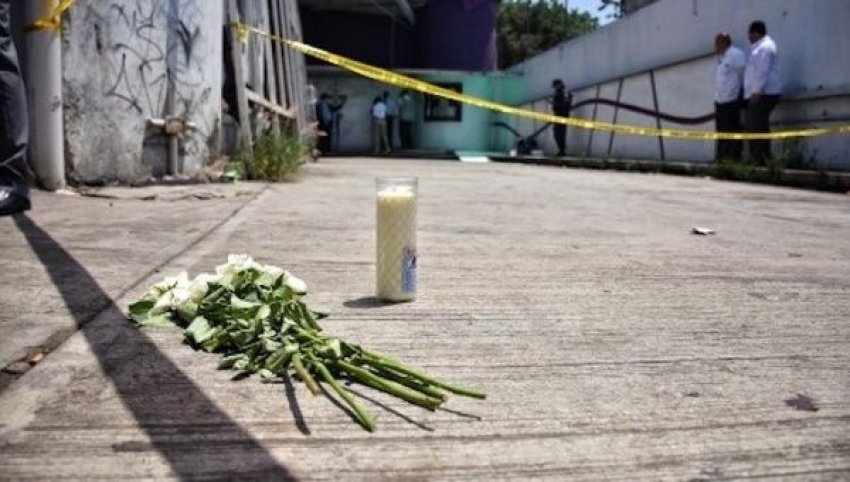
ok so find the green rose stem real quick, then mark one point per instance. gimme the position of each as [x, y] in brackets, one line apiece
[367, 378]
[304, 375]
[406, 381]
[387, 362]
[362, 416]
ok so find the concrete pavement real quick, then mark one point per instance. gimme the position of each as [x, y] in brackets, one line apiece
[613, 344]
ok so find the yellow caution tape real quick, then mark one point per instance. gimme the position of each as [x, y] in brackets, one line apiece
[389, 77]
[53, 21]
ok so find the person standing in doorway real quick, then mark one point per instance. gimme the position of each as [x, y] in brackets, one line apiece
[379, 126]
[561, 104]
[728, 85]
[762, 88]
[325, 118]
[14, 124]
[391, 115]
[406, 118]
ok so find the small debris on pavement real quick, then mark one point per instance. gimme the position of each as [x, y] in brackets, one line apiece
[795, 255]
[702, 231]
[802, 402]
[34, 357]
[66, 192]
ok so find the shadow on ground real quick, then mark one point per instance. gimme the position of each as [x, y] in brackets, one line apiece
[196, 438]
[370, 302]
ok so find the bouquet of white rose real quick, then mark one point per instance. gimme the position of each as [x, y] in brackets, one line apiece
[255, 316]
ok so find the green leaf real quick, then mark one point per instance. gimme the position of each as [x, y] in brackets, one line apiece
[140, 313]
[270, 345]
[215, 341]
[140, 308]
[242, 363]
[162, 319]
[187, 311]
[229, 360]
[263, 312]
[278, 359]
[199, 330]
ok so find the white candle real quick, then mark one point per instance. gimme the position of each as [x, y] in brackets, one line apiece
[396, 239]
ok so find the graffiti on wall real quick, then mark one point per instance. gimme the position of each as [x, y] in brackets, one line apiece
[153, 49]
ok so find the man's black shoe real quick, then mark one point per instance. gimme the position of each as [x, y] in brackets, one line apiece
[11, 203]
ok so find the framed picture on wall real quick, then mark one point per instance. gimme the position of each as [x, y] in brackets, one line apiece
[438, 109]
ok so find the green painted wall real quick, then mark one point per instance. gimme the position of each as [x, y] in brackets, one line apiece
[474, 132]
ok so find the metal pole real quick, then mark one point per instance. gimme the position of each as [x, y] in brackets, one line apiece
[43, 64]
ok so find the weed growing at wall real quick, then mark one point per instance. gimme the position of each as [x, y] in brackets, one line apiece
[277, 157]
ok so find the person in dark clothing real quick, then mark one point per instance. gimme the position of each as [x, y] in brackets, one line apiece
[14, 122]
[325, 118]
[561, 105]
[406, 118]
[392, 109]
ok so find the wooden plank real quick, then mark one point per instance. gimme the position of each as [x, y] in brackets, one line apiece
[289, 67]
[270, 81]
[245, 137]
[268, 105]
[255, 62]
[298, 66]
[278, 54]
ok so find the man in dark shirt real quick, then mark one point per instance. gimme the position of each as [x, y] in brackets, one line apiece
[325, 118]
[561, 103]
[14, 136]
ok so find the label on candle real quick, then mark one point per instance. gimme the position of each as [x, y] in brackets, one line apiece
[408, 271]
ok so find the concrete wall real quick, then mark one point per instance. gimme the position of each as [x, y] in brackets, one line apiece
[472, 132]
[121, 59]
[811, 34]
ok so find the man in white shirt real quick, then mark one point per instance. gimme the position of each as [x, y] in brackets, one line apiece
[762, 88]
[379, 126]
[728, 84]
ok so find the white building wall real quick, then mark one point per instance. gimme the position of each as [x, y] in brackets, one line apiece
[812, 36]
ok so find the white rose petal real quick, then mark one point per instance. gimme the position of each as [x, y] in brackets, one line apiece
[199, 286]
[238, 259]
[169, 283]
[163, 304]
[297, 285]
[179, 295]
[223, 270]
[273, 271]
[237, 263]
[182, 279]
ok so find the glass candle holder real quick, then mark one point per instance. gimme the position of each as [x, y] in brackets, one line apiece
[396, 239]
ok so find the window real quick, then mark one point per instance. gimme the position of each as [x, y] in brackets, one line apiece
[438, 109]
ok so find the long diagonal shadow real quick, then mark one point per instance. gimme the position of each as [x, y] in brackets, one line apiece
[197, 438]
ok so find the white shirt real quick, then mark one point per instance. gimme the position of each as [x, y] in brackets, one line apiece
[379, 111]
[730, 75]
[762, 73]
